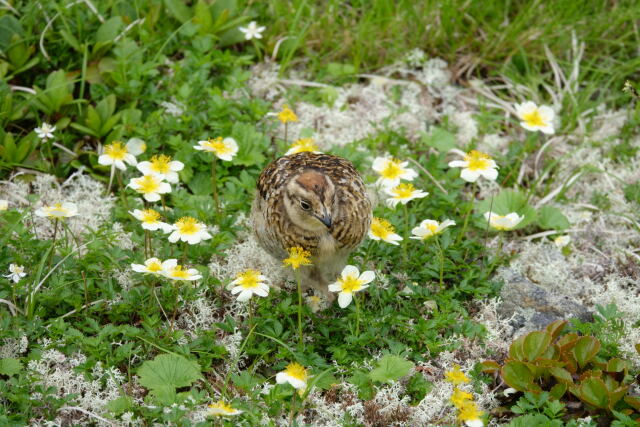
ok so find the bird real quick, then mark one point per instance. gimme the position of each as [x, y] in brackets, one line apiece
[315, 201]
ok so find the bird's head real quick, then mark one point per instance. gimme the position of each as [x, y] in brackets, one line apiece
[308, 200]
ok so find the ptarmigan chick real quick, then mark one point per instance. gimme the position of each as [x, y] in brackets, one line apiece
[317, 202]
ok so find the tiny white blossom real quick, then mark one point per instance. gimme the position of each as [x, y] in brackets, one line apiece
[4, 205]
[250, 283]
[224, 149]
[503, 222]
[150, 186]
[562, 241]
[189, 230]
[252, 31]
[350, 281]
[162, 166]
[150, 220]
[476, 164]
[429, 228]
[58, 210]
[136, 146]
[391, 171]
[45, 131]
[536, 118]
[16, 272]
[154, 266]
[116, 155]
[403, 193]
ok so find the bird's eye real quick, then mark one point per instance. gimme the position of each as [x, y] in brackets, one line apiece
[304, 205]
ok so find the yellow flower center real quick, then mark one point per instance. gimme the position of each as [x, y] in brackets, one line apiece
[304, 144]
[154, 267]
[18, 270]
[404, 191]
[297, 371]
[392, 169]
[224, 407]
[533, 118]
[432, 228]
[150, 216]
[57, 210]
[218, 145]
[249, 279]
[297, 257]
[381, 228]
[188, 225]
[148, 184]
[160, 164]
[350, 284]
[116, 150]
[477, 160]
[179, 273]
[287, 115]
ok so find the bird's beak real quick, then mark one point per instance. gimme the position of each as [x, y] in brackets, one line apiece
[325, 219]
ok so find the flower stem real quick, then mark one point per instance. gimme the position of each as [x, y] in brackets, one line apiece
[441, 256]
[406, 229]
[486, 231]
[53, 241]
[214, 184]
[355, 299]
[185, 253]
[299, 305]
[113, 169]
[467, 214]
[286, 128]
[123, 194]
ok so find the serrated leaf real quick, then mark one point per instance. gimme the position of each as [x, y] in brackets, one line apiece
[585, 350]
[594, 392]
[551, 218]
[390, 368]
[535, 344]
[10, 366]
[517, 375]
[168, 370]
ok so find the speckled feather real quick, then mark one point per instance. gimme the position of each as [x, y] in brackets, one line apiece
[351, 209]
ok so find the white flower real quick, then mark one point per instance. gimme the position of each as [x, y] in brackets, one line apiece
[150, 186]
[58, 210]
[115, 155]
[391, 171]
[136, 146]
[476, 164]
[162, 166]
[252, 31]
[429, 228]
[315, 303]
[16, 272]
[506, 222]
[562, 241]
[350, 281]
[249, 283]
[381, 229]
[45, 131]
[221, 408]
[294, 374]
[403, 193]
[225, 149]
[154, 266]
[536, 118]
[151, 220]
[189, 230]
[4, 205]
[173, 270]
[509, 391]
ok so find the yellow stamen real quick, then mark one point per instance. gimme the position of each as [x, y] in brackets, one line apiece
[116, 150]
[249, 279]
[160, 164]
[179, 273]
[392, 169]
[218, 145]
[154, 267]
[148, 184]
[304, 144]
[287, 115]
[381, 228]
[477, 160]
[297, 257]
[350, 284]
[296, 371]
[150, 216]
[404, 191]
[533, 118]
[188, 225]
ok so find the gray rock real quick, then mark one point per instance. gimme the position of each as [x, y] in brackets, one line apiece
[534, 307]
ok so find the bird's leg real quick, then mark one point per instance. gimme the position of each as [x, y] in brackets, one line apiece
[312, 279]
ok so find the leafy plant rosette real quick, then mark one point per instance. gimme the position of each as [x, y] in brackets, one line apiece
[548, 361]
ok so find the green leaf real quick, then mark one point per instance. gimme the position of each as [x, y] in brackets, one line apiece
[517, 375]
[594, 392]
[202, 16]
[10, 366]
[516, 348]
[555, 328]
[551, 218]
[440, 139]
[168, 370]
[535, 344]
[390, 368]
[489, 366]
[109, 30]
[178, 10]
[506, 202]
[120, 405]
[585, 350]
[561, 374]
[558, 390]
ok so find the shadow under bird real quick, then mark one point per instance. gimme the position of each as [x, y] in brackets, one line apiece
[317, 202]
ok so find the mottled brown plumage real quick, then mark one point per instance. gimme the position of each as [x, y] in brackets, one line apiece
[317, 202]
